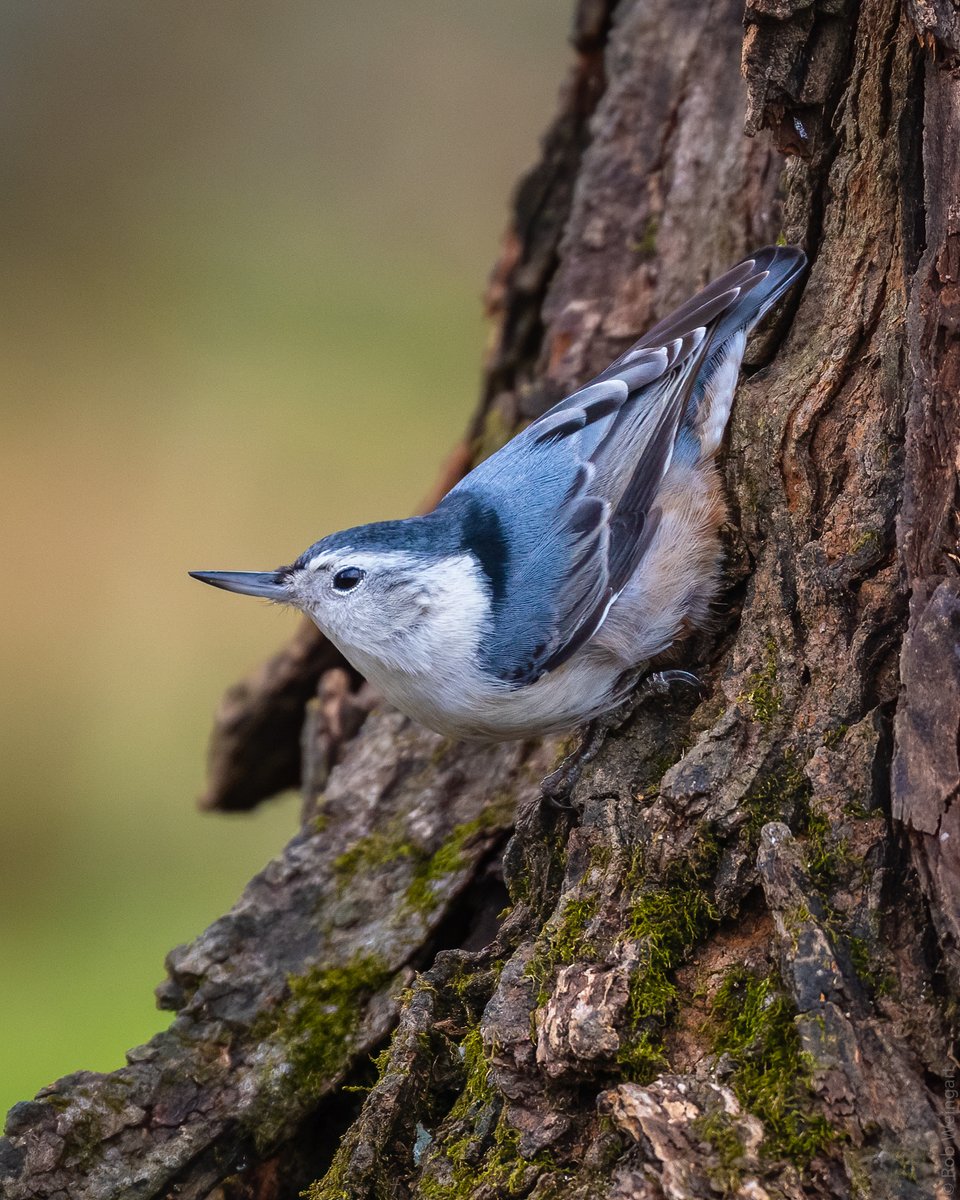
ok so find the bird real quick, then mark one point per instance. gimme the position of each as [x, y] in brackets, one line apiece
[536, 594]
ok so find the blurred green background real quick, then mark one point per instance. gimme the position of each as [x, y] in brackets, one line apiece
[245, 249]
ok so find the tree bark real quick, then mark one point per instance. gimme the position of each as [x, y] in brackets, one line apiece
[733, 967]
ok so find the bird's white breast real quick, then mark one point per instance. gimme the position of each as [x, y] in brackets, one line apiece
[428, 666]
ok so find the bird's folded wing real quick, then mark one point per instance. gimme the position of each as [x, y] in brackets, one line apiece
[574, 524]
[576, 492]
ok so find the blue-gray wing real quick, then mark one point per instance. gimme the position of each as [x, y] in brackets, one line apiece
[569, 506]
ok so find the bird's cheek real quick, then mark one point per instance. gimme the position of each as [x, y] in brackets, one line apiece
[331, 620]
[346, 622]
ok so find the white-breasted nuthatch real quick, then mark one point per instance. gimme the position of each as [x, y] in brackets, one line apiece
[533, 596]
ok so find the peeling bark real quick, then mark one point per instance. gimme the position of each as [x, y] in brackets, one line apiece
[732, 968]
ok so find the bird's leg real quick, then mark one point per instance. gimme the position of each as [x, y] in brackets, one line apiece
[555, 790]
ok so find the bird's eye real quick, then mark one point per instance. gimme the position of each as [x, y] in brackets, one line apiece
[347, 579]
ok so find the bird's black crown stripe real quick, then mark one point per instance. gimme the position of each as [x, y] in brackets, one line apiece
[482, 536]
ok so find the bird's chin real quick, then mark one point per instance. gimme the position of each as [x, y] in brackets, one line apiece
[317, 619]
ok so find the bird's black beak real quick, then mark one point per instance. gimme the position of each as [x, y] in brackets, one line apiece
[271, 585]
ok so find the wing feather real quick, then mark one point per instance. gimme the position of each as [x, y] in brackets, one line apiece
[576, 492]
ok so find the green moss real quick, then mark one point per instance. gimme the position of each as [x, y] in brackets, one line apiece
[856, 810]
[500, 1172]
[476, 1088]
[752, 1021]
[456, 1143]
[473, 985]
[831, 864]
[827, 854]
[646, 244]
[601, 855]
[666, 923]
[381, 1064]
[833, 736]
[333, 1186]
[467, 1162]
[641, 1057]
[861, 1185]
[562, 943]
[317, 1022]
[870, 971]
[391, 845]
[421, 895]
[518, 888]
[719, 1130]
[869, 537]
[860, 957]
[663, 923]
[374, 850]
[761, 694]
[795, 918]
[780, 796]
[880, 981]
[568, 940]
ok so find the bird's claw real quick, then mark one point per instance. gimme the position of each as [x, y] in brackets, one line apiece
[658, 683]
[556, 788]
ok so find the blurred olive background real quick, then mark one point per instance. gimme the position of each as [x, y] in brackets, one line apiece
[245, 245]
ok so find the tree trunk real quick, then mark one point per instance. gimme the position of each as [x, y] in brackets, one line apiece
[731, 967]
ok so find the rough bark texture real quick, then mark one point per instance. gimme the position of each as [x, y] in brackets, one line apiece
[732, 968]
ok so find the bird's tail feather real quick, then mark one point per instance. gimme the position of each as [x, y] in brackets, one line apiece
[776, 269]
[762, 280]
[735, 300]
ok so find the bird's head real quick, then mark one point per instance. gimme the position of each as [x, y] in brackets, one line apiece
[390, 595]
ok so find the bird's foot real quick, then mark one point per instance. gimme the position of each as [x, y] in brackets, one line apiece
[653, 686]
[556, 789]
[558, 786]
[658, 683]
